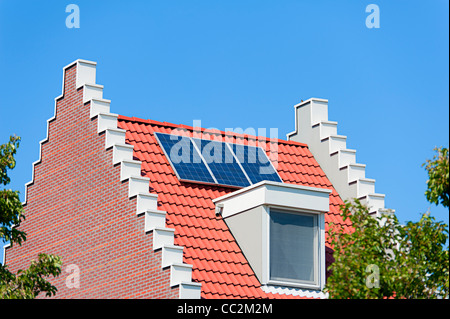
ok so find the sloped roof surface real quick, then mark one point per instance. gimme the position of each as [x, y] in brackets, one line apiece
[218, 262]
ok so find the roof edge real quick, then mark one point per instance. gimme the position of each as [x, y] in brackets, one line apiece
[201, 129]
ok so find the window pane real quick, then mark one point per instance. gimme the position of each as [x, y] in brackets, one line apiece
[293, 247]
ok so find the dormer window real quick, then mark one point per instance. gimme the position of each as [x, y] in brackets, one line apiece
[281, 231]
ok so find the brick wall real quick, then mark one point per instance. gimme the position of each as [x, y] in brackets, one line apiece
[79, 209]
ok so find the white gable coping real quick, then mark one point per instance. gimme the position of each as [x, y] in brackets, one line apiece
[99, 106]
[137, 184]
[154, 219]
[92, 91]
[86, 72]
[162, 236]
[105, 121]
[122, 152]
[171, 254]
[180, 273]
[114, 136]
[189, 290]
[330, 150]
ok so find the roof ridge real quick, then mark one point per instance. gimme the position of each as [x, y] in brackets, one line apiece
[191, 128]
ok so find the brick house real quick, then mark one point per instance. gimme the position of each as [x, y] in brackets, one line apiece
[109, 197]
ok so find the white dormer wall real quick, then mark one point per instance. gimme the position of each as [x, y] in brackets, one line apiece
[330, 151]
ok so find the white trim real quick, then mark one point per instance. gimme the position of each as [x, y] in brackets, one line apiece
[5, 246]
[299, 292]
[259, 184]
[274, 194]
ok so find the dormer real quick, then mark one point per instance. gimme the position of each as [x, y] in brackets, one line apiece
[281, 230]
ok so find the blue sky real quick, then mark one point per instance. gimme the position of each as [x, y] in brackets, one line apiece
[244, 64]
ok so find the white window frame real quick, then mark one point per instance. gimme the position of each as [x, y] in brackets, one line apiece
[319, 271]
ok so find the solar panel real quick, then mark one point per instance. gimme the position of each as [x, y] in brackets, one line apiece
[215, 162]
[184, 158]
[222, 163]
[255, 163]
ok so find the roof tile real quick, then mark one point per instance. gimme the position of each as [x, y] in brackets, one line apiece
[218, 263]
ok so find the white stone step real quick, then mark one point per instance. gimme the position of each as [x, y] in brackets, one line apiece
[343, 157]
[326, 128]
[190, 290]
[122, 152]
[114, 136]
[154, 219]
[171, 254]
[86, 71]
[180, 273]
[362, 187]
[373, 201]
[105, 121]
[92, 91]
[99, 106]
[146, 201]
[335, 143]
[137, 184]
[318, 109]
[129, 168]
[162, 236]
[354, 171]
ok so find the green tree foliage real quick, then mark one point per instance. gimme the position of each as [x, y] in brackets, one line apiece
[438, 190]
[32, 281]
[379, 258]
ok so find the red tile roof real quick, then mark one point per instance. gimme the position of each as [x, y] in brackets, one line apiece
[218, 262]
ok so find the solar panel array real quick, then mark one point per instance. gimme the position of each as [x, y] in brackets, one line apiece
[215, 162]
